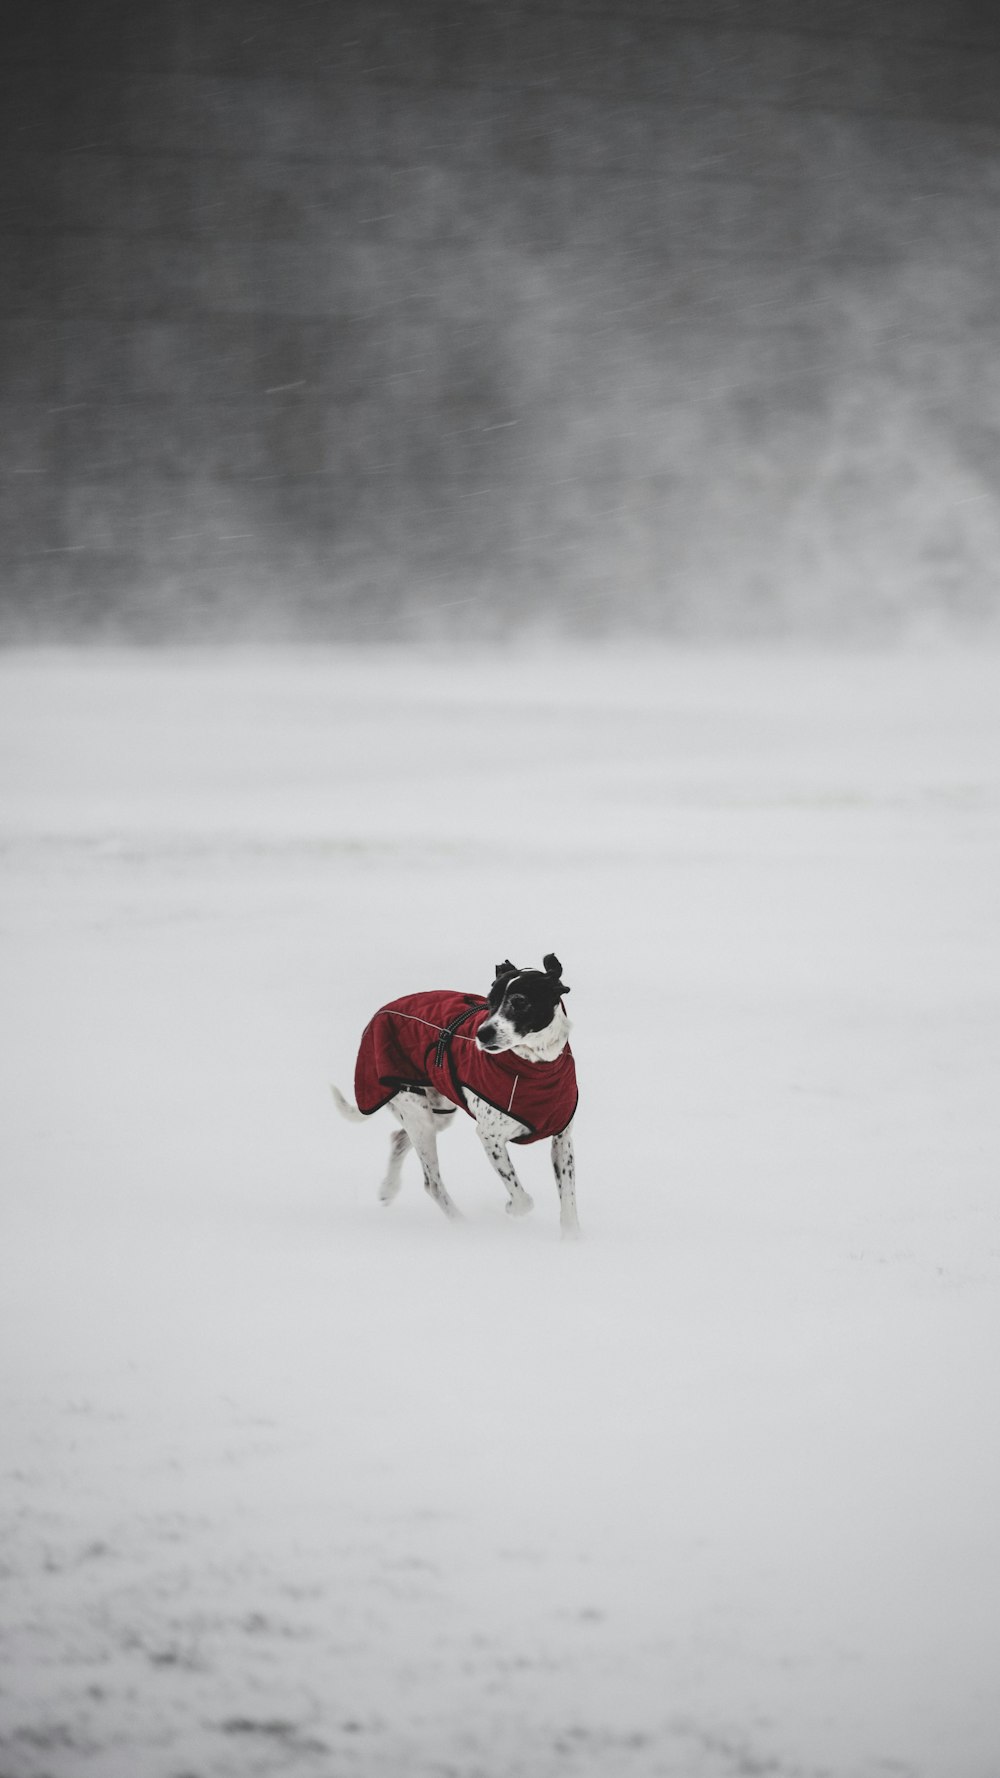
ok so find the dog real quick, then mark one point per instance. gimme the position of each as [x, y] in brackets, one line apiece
[504, 1059]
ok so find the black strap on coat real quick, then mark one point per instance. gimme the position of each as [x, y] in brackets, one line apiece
[448, 1031]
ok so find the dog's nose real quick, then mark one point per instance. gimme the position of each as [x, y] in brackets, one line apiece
[484, 1037]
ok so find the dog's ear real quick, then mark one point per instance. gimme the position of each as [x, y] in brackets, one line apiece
[554, 967]
[504, 972]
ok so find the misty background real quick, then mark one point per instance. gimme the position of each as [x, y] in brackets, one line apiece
[344, 319]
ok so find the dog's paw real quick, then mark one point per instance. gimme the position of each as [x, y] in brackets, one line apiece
[521, 1205]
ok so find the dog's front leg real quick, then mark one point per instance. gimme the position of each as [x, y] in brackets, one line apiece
[564, 1168]
[494, 1129]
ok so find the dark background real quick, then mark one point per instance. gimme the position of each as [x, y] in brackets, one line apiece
[356, 318]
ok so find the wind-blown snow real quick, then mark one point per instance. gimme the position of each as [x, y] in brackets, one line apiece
[290, 1481]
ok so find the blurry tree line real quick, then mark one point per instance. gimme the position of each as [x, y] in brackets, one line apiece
[344, 316]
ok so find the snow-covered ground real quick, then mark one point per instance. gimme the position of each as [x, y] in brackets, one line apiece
[292, 1482]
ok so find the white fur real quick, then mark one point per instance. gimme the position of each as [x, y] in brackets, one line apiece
[420, 1115]
[535, 1046]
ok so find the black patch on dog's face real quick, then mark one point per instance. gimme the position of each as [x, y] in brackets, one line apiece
[525, 998]
[528, 999]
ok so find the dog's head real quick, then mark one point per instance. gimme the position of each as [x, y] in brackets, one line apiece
[522, 1002]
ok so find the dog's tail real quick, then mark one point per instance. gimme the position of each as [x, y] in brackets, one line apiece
[345, 1107]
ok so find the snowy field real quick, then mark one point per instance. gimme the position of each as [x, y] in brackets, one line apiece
[293, 1483]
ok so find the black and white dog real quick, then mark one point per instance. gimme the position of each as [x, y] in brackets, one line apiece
[505, 1060]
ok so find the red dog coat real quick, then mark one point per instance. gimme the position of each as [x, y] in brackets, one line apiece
[427, 1040]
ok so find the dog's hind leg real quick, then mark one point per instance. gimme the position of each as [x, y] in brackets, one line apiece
[399, 1147]
[418, 1124]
